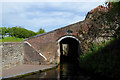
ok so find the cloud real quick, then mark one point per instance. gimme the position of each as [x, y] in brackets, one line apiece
[55, 0]
[46, 15]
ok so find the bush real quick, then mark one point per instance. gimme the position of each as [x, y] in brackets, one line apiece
[17, 32]
[103, 60]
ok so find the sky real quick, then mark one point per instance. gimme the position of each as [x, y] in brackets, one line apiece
[49, 16]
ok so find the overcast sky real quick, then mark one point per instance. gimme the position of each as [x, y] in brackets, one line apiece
[46, 15]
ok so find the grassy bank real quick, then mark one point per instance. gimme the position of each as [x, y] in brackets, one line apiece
[103, 60]
[11, 39]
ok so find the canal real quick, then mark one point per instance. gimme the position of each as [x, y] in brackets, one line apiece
[65, 71]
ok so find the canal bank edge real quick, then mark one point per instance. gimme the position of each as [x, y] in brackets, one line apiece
[21, 75]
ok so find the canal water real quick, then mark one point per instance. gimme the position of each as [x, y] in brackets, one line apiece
[65, 71]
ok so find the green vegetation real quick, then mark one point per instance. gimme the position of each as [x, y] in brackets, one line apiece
[11, 39]
[114, 10]
[103, 60]
[16, 34]
[41, 31]
[19, 32]
[113, 17]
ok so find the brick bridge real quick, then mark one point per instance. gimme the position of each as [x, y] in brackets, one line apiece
[51, 44]
[71, 40]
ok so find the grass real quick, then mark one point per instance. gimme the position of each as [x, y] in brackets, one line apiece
[11, 39]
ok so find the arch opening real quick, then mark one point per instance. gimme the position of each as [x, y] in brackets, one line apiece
[69, 49]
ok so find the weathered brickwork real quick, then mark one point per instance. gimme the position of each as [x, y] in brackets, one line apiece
[12, 54]
[94, 29]
[31, 56]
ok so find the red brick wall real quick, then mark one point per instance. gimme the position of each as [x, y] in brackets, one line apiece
[87, 31]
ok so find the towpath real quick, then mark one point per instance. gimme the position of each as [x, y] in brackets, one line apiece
[24, 69]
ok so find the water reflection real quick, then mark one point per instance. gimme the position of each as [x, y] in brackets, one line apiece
[66, 71]
[71, 71]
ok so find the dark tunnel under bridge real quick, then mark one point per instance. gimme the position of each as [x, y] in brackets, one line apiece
[69, 49]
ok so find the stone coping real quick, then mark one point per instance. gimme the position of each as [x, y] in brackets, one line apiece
[11, 43]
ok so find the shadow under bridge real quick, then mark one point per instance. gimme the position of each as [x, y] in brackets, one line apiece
[69, 49]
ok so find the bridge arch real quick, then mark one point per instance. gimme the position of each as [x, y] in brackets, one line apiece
[68, 36]
[68, 48]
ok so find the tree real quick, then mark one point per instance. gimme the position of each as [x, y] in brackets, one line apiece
[22, 32]
[41, 31]
[19, 32]
[114, 16]
[0, 32]
[10, 31]
[3, 31]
